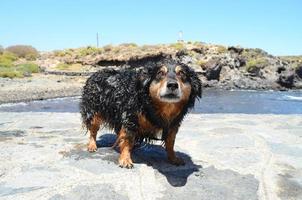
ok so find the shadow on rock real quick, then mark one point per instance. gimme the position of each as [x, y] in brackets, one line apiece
[155, 156]
[11, 134]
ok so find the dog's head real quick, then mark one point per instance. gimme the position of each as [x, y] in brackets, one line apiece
[171, 82]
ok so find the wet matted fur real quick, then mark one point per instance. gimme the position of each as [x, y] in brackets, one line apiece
[138, 105]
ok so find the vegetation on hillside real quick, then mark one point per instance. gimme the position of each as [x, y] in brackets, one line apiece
[1, 49]
[23, 51]
[10, 70]
[255, 64]
[201, 63]
[177, 46]
[69, 67]
[295, 61]
[256, 59]
[7, 59]
[221, 49]
[83, 51]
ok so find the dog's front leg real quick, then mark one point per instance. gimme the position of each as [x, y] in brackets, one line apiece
[93, 129]
[126, 143]
[169, 143]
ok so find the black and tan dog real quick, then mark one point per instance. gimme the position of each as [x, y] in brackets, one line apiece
[140, 105]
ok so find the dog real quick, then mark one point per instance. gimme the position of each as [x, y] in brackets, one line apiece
[140, 105]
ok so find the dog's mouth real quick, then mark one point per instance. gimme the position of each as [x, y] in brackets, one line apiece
[170, 97]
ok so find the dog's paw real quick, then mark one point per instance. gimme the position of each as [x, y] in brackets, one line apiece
[92, 147]
[125, 163]
[177, 161]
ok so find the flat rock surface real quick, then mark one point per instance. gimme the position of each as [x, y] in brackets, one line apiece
[228, 156]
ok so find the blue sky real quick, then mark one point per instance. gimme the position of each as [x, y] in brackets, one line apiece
[275, 26]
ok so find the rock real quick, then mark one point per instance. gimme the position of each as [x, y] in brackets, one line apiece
[298, 71]
[241, 61]
[280, 69]
[188, 60]
[254, 71]
[44, 156]
[198, 50]
[286, 79]
[27, 74]
[298, 77]
[231, 79]
[181, 53]
[237, 50]
[210, 83]
[213, 68]
[40, 87]
[247, 83]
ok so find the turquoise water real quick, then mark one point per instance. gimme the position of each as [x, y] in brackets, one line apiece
[213, 101]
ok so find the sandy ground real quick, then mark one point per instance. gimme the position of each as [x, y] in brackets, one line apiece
[228, 156]
[39, 87]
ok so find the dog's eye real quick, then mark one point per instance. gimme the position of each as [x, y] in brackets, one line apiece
[181, 73]
[160, 73]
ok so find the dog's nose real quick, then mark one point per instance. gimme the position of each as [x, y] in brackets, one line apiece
[172, 85]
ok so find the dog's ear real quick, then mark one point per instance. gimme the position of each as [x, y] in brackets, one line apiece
[195, 83]
[145, 75]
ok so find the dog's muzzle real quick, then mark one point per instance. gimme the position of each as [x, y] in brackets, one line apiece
[171, 92]
[172, 86]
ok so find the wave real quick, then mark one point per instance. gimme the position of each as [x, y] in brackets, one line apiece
[12, 104]
[44, 101]
[295, 98]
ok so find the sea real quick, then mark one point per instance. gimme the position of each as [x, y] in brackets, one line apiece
[212, 101]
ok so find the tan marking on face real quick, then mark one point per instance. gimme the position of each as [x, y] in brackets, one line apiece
[155, 87]
[185, 89]
[164, 69]
[177, 69]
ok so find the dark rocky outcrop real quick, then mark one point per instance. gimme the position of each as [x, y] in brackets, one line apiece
[213, 68]
[298, 71]
[106, 63]
[237, 50]
[218, 66]
[133, 62]
[286, 79]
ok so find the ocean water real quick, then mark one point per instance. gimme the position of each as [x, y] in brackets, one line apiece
[213, 101]
[250, 102]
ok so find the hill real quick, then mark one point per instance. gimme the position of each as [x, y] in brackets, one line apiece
[63, 73]
[219, 66]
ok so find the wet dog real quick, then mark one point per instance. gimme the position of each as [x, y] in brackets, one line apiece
[140, 105]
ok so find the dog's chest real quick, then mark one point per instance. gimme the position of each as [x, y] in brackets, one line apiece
[148, 129]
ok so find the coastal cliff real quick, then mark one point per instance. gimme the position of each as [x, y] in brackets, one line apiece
[62, 73]
[218, 66]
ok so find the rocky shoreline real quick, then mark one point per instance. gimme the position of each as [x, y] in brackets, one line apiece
[219, 66]
[48, 86]
[63, 73]
[39, 87]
